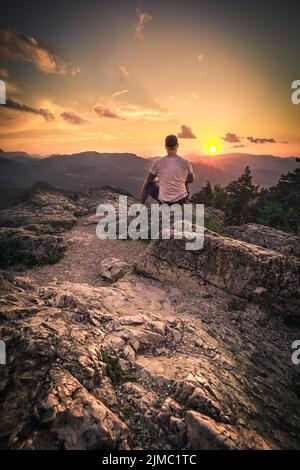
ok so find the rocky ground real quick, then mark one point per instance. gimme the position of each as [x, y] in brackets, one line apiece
[124, 344]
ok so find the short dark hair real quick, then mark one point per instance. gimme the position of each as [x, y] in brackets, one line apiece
[171, 141]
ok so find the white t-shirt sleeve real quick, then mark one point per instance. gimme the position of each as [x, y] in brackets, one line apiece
[190, 168]
[154, 169]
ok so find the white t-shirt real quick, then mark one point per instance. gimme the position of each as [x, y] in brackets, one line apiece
[172, 172]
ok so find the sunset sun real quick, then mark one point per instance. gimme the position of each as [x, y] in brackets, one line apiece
[212, 148]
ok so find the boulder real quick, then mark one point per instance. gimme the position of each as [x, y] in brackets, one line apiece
[265, 237]
[236, 267]
[113, 269]
[211, 212]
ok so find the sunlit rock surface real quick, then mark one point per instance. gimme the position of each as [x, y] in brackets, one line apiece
[188, 350]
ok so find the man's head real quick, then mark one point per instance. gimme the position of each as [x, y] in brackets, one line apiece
[171, 143]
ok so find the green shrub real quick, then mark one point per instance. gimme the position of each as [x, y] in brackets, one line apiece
[115, 371]
[10, 252]
[236, 305]
[213, 224]
[51, 259]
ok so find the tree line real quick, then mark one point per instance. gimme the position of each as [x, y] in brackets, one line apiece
[244, 202]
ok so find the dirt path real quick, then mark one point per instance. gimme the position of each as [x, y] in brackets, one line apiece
[81, 262]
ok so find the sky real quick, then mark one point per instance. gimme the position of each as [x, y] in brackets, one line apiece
[119, 75]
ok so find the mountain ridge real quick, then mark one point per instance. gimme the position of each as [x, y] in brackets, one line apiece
[128, 170]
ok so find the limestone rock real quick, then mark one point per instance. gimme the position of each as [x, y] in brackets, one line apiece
[235, 266]
[77, 419]
[113, 268]
[21, 246]
[206, 434]
[142, 362]
[265, 237]
[43, 208]
[211, 212]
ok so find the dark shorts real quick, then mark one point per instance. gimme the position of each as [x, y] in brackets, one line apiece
[153, 190]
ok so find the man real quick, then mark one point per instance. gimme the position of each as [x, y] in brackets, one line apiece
[174, 174]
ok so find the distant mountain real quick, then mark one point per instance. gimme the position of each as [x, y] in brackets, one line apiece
[21, 157]
[127, 170]
[266, 169]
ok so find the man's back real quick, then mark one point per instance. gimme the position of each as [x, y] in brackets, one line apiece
[172, 171]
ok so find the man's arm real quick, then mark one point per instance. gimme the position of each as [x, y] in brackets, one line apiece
[144, 194]
[190, 177]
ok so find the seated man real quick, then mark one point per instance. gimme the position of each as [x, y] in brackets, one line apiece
[174, 174]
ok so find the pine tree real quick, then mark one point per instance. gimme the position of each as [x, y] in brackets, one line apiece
[241, 197]
[204, 196]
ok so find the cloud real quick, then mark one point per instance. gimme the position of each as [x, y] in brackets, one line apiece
[118, 93]
[123, 72]
[142, 17]
[257, 140]
[101, 112]
[231, 138]
[4, 73]
[12, 88]
[151, 111]
[47, 115]
[73, 118]
[17, 46]
[186, 133]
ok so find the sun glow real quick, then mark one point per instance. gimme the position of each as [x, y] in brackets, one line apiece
[212, 148]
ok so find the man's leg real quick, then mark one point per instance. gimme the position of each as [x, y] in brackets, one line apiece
[152, 190]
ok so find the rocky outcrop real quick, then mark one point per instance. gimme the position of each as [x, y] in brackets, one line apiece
[178, 359]
[265, 237]
[88, 200]
[240, 268]
[30, 231]
[212, 213]
[204, 433]
[21, 246]
[77, 419]
[42, 208]
[106, 368]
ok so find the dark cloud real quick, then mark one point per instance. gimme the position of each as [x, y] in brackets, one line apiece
[257, 140]
[47, 115]
[142, 17]
[186, 133]
[101, 112]
[231, 138]
[73, 118]
[17, 46]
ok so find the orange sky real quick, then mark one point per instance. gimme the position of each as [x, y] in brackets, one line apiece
[136, 77]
